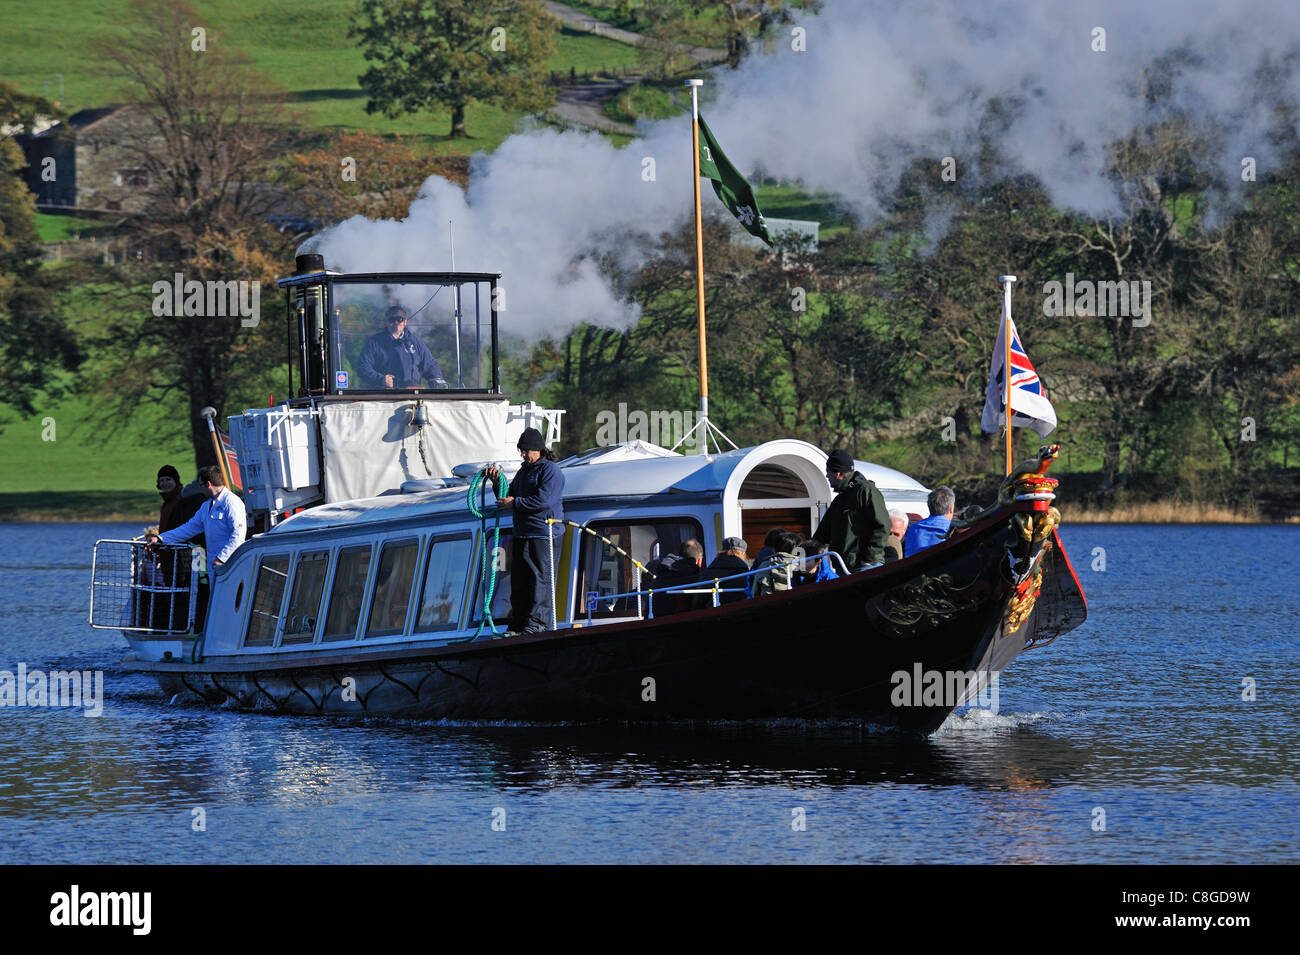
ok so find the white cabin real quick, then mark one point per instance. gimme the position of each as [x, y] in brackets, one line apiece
[405, 569]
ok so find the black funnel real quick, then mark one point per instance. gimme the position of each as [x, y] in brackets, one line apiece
[310, 262]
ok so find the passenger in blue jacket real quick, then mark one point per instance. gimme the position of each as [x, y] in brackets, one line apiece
[934, 528]
[536, 493]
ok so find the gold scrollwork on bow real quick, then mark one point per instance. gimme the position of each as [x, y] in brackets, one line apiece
[1022, 602]
[931, 600]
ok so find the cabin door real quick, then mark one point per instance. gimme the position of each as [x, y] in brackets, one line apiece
[771, 496]
[756, 522]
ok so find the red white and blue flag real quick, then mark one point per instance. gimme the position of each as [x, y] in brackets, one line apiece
[234, 478]
[1029, 405]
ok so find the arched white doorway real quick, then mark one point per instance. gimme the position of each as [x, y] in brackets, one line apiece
[777, 484]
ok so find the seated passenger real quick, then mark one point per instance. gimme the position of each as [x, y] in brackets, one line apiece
[934, 528]
[731, 561]
[769, 545]
[396, 358]
[815, 568]
[779, 568]
[676, 570]
[898, 521]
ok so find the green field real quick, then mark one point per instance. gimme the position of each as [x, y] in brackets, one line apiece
[793, 202]
[302, 48]
[82, 473]
[649, 99]
[54, 228]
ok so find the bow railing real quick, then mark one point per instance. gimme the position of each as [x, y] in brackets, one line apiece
[148, 588]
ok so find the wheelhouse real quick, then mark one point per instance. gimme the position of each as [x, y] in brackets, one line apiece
[332, 315]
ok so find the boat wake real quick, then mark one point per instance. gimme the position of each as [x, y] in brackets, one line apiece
[977, 720]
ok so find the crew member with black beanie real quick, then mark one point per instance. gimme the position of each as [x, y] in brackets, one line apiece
[535, 494]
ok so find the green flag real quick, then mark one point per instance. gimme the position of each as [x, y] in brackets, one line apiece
[731, 186]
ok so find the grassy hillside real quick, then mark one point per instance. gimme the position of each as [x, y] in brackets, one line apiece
[303, 48]
[82, 473]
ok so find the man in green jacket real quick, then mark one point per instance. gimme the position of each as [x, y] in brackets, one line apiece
[857, 522]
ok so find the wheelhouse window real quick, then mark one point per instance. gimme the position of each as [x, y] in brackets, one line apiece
[347, 593]
[444, 583]
[305, 598]
[268, 596]
[443, 339]
[604, 571]
[393, 588]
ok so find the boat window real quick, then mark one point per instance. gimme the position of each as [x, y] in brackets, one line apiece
[304, 599]
[444, 583]
[268, 595]
[345, 596]
[501, 561]
[448, 323]
[605, 571]
[393, 588]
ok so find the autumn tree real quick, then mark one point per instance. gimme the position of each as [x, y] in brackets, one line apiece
[364, 174]
[207, 134]
[448, 53]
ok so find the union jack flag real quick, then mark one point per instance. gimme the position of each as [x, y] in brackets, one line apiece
[1029, 405]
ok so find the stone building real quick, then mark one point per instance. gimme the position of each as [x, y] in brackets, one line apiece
[91, 163]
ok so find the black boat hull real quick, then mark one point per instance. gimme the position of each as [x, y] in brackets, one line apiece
[825, 651]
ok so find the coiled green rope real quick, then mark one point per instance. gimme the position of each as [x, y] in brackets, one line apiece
[476, 499]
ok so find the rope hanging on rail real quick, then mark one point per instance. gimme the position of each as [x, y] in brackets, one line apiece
[476, 499]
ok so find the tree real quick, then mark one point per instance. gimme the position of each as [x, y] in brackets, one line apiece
[450, 53]
[679, 25]
[35, 343]
[367, 175]
[207, 134]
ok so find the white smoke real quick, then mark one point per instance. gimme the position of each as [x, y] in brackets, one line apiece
[878, 85]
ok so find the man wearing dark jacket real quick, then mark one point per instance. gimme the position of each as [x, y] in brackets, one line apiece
[676, 570]
[536, 494]
[396, 358]
[730, 562]
[857, 522]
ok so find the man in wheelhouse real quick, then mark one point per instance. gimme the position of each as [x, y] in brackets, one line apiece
[396, 358]
[857, 522]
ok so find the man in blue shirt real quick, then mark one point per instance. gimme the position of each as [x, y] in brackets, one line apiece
[934, 528]
[396, 358]
[536, 494]
[221, 520]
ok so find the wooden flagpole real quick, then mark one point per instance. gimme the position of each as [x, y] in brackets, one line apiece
[1007, 281]
[209, 414]
[703, 423]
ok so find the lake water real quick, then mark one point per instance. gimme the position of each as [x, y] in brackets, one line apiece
[1126, 741]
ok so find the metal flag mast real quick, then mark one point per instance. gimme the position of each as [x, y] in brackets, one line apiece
[1007, 281]
[703, 425]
